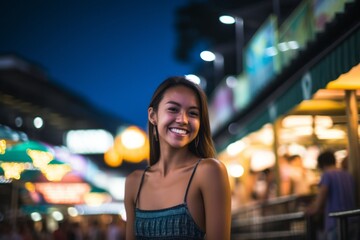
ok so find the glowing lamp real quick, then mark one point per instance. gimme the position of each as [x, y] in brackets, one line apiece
[29, 186]
[262, 159]
[112, 157]
[133, 138]
[55, 172]
[132, 144]
[96, 199]
[40, 158]
[235, 148]
[12, 170]
[2, 146]
[235, 170]
[97, 196]
[35, 216]
[63, 193]
[307, 120]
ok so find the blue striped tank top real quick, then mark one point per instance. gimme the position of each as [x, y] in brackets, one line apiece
[175, 223]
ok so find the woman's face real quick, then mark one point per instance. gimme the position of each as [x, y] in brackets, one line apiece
[178, 116]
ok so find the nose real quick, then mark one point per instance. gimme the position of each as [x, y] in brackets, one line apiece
[182, 117]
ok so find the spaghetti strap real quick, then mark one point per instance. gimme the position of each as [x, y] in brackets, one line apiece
[141, 183]
[192, 175]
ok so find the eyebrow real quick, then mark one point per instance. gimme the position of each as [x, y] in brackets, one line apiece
[177, 104]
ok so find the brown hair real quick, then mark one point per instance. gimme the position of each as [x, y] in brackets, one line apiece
[205, 147]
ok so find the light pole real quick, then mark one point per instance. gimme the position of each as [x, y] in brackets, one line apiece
[218, 60]
[239, 37]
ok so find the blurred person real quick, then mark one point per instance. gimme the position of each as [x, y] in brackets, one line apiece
[44, 233]
[270, 184]
[284, 172]
[115, 230]
[294, 177]
[241, 193]
[3, 229]
[251, 187]
[336, 192]
[263, 184]
[345, 163]
[61, 233]
[185, 192]
[8, 231]
[75, 231]
[95, 232]
[26, 229]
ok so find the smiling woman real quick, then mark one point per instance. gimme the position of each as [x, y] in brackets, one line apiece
[184, 193]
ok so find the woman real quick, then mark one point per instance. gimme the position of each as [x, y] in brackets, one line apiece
[185, 192]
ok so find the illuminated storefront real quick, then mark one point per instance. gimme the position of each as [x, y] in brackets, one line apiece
[303, 104]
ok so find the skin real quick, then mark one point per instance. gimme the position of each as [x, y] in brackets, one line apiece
[287, 184]
[208, 199]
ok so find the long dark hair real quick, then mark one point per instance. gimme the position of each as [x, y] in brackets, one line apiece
[205, 147]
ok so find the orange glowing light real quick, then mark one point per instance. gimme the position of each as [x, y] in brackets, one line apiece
[132, 144]
[113, 158]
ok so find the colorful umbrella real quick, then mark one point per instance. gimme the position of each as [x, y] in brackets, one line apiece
[39, 154]
[14, 163]
[56, 170]
[32, 155]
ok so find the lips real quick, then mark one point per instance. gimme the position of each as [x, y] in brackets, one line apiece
[179, 131]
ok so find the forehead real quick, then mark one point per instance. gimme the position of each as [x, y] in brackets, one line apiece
[181, 94]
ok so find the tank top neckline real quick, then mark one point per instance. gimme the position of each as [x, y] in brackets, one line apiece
[163, 209]
[183, 204]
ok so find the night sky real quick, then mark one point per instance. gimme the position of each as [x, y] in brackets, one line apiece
[112, 53]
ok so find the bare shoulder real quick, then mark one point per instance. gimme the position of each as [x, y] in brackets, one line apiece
[132, 184]
[212, 167]
[213, 179]
[134, 178]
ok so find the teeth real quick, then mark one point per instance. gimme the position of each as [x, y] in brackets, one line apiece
[179, 131]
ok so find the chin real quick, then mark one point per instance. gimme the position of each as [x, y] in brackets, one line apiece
[179, 145]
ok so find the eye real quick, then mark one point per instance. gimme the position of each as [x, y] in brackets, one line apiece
[173, 109]
[194, 113]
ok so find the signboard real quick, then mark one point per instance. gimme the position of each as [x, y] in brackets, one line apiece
[63, 193]
[295, 33]
[261, 56]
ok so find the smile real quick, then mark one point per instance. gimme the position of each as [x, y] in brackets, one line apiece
[179, 131]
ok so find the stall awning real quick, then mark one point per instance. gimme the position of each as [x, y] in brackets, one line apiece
[338, 61]
[347, 81]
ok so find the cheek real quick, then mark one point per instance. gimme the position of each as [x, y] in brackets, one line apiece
[196, 126]
[165, 120]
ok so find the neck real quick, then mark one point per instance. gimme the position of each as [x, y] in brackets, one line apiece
[330, 167]
[174, 158]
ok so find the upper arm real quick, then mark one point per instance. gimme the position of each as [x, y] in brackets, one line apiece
[216, 193]
[319, 201]
[131, 185]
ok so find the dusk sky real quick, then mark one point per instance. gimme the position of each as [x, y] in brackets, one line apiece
[112, 53]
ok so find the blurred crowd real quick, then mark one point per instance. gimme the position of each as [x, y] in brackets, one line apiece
[25, 229]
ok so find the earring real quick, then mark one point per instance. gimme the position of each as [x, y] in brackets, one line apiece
[155, 133]
[197, 141]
